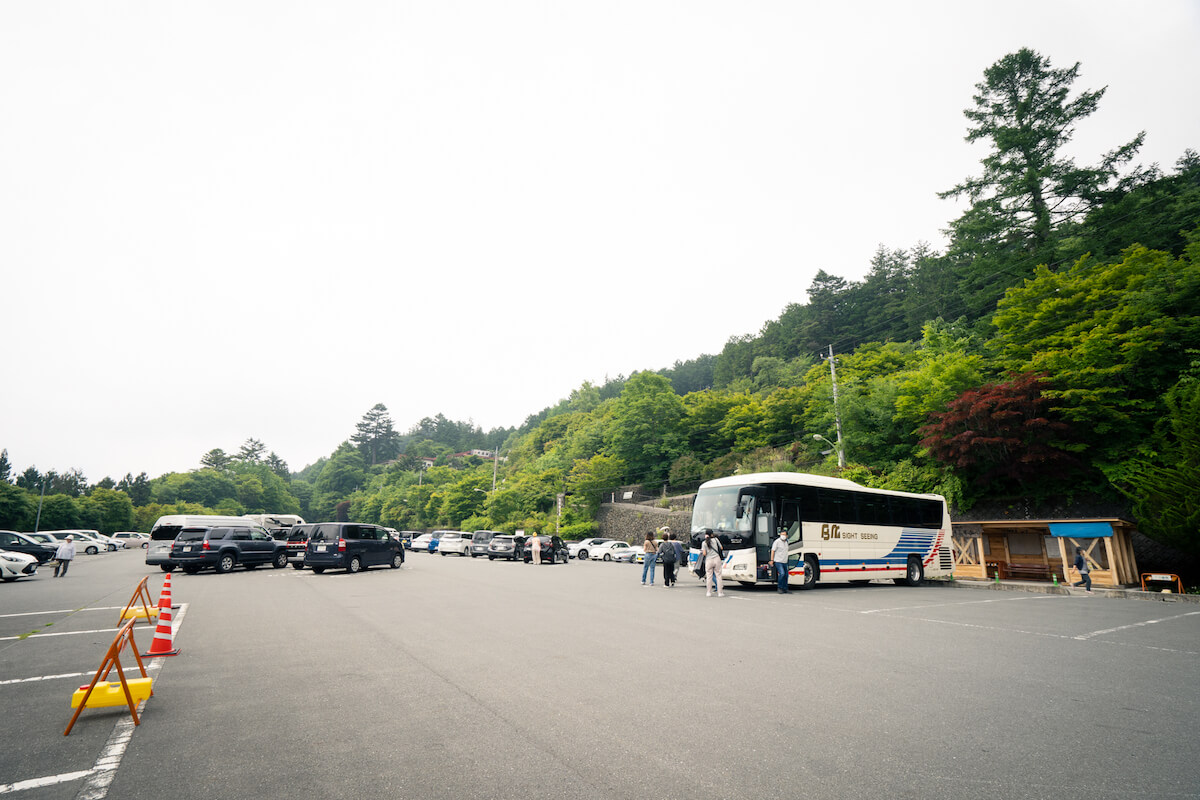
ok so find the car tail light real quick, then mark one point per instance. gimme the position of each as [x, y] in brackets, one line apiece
[341, 545]
[205, 545]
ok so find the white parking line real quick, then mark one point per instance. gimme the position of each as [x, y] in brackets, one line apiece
[40, 635]
[37, 783]
[63, 611]
[1135, 625]
[153, 665]
[966, 603]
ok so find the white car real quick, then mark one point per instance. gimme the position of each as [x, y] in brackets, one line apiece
[89, 542]
[132, 538]
[421, 543]
[580, 549]
[612, 551]
[453, 542]
[16, 565]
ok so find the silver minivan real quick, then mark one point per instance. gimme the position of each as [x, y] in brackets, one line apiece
[479, 542]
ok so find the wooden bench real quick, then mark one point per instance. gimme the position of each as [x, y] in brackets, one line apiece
[1035, 571]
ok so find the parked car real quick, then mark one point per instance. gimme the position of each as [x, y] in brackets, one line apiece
[454, 542]
[407, 537]
[640, 556]
[224, 548]
[48, 539]
[297, 543]
[21, 543]
[424, 542]
[554, 550]
[109, 542]
[505, 546]
[15, 565]
[84, 537]
[480, 540]
[351, 546]
[580, 549]
[612, 551]
[167, 527]
[133, 538]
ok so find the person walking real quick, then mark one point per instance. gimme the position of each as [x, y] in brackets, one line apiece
[1085, 571]
[649, 550]
[666, 554]
[678, 545]
[63, 556]
[779, 557]
[713, 556]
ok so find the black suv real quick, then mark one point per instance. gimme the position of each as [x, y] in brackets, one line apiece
[297, 543]
[351, 546]
[554, 550]
[223, 549]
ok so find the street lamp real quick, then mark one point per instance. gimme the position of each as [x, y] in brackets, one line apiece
[832, 448]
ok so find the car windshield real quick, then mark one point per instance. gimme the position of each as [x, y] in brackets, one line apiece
[502, 540]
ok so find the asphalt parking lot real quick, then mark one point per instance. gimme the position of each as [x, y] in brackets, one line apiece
[460, 678]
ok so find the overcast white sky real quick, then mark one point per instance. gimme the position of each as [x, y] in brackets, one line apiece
[223, 220]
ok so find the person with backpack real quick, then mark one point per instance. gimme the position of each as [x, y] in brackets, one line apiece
[713, 556]
[666, 555]
[1085, 571]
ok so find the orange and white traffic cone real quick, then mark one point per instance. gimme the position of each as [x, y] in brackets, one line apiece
[164, 597]
[161, 646]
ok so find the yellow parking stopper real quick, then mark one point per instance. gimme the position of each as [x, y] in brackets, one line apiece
[138, 613]
[111, 693]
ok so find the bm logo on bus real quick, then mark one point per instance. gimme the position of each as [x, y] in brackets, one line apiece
[830, 532]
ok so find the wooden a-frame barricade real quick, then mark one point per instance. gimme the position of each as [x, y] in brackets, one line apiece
[102, 692]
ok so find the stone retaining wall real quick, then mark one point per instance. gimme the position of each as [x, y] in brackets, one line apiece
[629, 522]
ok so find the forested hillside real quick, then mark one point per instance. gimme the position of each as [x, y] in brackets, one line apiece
[1052, 351]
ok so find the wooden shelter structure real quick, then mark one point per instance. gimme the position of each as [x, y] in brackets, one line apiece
[1041, 549]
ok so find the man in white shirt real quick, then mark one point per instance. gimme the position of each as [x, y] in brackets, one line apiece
[779, 557]
[63, 556]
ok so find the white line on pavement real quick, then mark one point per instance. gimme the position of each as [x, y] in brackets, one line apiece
[1135, 625]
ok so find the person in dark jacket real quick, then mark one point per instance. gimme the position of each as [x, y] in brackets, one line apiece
[1085, 571]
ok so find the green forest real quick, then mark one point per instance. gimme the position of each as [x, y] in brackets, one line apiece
[1050, 353]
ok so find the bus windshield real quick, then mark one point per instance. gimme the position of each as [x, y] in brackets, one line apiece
[716, 510]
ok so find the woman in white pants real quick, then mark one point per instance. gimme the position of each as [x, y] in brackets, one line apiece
[714, 560]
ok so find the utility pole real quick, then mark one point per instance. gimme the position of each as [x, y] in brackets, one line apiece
[837, 416]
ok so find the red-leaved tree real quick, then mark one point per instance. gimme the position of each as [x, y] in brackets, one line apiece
[1002, 435]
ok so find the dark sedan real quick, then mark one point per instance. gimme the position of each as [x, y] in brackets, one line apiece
[19, 543]
[553, 550]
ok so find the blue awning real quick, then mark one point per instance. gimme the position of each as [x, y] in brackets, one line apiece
[1081, 530]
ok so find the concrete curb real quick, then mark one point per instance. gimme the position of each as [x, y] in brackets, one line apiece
[1049, 588]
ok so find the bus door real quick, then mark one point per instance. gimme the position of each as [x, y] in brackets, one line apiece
[764, 528]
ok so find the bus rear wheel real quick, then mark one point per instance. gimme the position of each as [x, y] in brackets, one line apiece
[914, 574]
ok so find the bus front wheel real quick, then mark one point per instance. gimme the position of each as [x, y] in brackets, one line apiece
[811, 573]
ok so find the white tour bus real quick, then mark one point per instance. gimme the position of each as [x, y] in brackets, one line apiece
[276, 524]
[166, 528]
[838, 531]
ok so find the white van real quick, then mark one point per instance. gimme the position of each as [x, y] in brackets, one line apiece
[165, 529]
